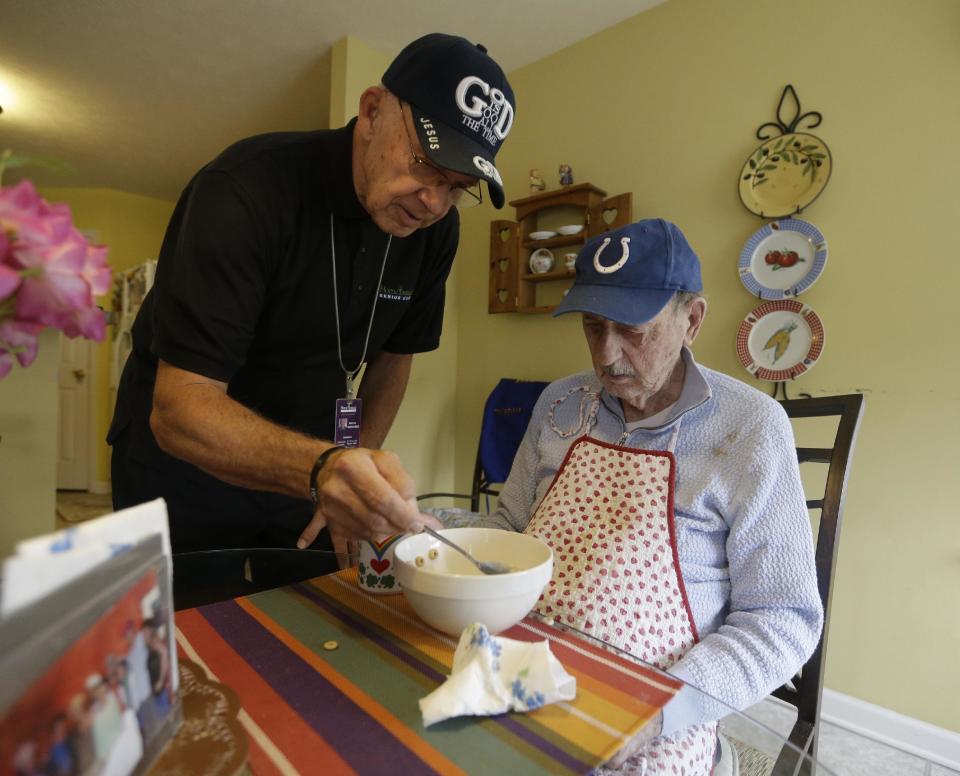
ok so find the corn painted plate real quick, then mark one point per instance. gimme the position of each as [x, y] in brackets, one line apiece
[784, 175]
[782, 259]
[780, 340]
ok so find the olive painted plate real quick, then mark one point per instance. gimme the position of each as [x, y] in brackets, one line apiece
[780, 340]
[784, 175]
[782, 259]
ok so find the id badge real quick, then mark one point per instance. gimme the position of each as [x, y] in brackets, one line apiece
[347, 431]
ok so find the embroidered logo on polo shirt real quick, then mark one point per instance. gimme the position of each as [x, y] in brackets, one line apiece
[398, 294]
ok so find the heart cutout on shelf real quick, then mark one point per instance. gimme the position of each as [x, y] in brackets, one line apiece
[502, 295]
[503, 264]
[609, 215]
[505, 234]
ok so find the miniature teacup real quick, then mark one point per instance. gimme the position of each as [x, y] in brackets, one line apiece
[376, 570]
[569, 260]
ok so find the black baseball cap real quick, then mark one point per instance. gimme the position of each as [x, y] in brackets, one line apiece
[463, 106]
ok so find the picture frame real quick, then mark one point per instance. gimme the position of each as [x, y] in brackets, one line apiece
[90, 677]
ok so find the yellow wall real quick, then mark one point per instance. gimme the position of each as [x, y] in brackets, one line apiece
[354, 66]
[28, 445]
[665, 105]
[424, 431]
[132, 228]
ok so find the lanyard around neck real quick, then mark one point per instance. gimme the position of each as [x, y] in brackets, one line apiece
[351, 373]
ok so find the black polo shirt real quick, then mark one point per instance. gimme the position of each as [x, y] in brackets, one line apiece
[244, 286]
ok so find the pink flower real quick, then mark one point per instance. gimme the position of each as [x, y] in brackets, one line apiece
[89, 322]
[53, 283]
[18, 203]
[9, 281]
[20, 340]
[49, 275]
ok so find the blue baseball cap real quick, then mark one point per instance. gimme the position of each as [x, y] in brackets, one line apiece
[629, 274]
[462, 105]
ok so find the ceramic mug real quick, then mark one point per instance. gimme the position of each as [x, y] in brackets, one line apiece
[376, 571]
[569, 260]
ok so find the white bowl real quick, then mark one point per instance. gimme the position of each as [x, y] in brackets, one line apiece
[450, 593]
[570, 229]
[542, 235]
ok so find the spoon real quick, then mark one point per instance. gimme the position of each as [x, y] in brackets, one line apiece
[491, 567]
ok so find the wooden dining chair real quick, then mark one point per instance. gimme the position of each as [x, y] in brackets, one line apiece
[506, 415]
[805, 690]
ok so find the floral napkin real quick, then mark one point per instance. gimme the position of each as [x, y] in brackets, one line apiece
[493, 675]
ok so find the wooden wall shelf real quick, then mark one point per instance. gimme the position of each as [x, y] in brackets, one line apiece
[513, 287]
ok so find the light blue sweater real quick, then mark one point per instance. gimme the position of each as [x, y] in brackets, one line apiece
[743, 531]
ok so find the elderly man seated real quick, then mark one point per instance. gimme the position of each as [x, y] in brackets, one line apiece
[671, 496]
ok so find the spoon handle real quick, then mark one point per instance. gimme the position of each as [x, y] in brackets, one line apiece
[447, 542]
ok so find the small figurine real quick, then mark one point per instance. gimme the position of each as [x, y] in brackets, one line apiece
[536, 182]
[566, 175]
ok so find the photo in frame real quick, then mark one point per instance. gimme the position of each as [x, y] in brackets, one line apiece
[90, 673]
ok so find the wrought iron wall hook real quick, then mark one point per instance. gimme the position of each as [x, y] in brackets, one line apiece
[784, 127]
[782, 385]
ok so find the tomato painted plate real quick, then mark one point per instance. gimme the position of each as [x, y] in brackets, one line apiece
[780, 340]
[782, 259]
[785, 174]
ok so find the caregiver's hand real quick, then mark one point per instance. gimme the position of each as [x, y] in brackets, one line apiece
[364, 494]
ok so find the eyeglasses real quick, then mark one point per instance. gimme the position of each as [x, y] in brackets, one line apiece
[427, 173]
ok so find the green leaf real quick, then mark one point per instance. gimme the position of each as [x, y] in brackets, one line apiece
[523, 674]
[779, 145]
[761, 180]
[49, 162]
[753, 165]
[769, 167]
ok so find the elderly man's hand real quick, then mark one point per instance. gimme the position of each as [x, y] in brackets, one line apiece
[364, 494]
[650, 731]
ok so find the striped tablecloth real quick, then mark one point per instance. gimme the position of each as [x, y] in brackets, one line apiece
[353, 709]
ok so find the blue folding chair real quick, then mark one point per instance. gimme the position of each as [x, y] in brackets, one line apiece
[505, 418]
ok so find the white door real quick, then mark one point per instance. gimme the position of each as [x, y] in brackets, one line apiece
[74, 444]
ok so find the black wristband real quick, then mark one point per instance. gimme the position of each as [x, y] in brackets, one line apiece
[317, 466]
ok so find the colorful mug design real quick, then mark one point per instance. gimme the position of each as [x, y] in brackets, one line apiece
[375, 572]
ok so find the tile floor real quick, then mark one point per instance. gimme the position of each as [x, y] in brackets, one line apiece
[75, 506]
[844, 753]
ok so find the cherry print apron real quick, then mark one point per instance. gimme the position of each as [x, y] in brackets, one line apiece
[608, 516]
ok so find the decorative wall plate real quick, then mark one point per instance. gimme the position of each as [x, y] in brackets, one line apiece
[780, 340]
[542, 235]
[785, 174]
[782, 259]
[541, 260]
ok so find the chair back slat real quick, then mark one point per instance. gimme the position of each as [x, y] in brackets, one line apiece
[849, 408]
[814, 454]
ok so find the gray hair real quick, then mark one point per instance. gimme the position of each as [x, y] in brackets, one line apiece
[683, 299]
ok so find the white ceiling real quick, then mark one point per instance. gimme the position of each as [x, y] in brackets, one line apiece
[136, 95]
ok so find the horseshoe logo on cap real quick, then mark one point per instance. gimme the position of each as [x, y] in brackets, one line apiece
[625, 254]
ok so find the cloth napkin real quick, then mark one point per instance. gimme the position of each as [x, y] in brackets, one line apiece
[493, 675]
